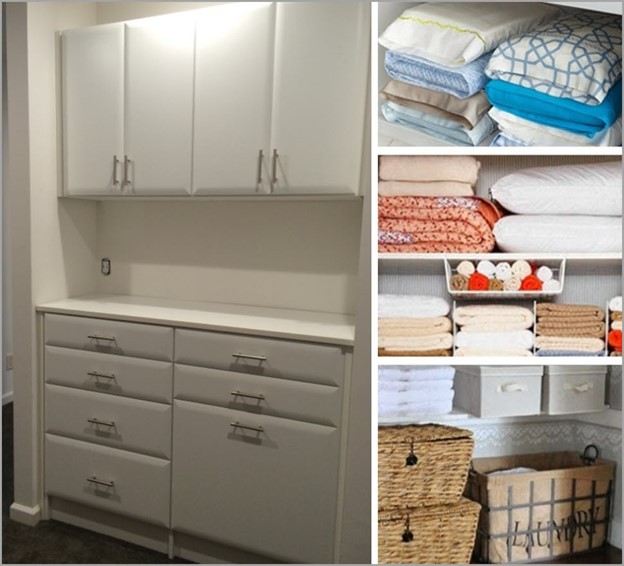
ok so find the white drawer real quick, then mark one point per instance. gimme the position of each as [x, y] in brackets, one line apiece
[262, 395]
[108, 373]
[110, 336]
[128, 424]
[140, 484]
[574, 392]
[301, 361]
[513, 392]
[271, 492]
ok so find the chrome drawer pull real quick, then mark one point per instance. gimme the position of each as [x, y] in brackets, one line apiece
[98, 337]
[259, 174]
[103, 423]
[237, 393]
[127, 180]
[254, 428]
[104, 375]
[101, 482]
[249, 357]
[115, 179]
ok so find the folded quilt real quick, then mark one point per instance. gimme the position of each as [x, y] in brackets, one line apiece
[413, 306]
[519, 132]
[569, 344]
[562, 113]
[427, 168]
[479, 352]
[467, 111]
[565, 353]
[578, 57]
[413, 326]
[494, 314]
[461, 82]
[424, 189]
[416, 373]
[413, 353]
[585, 329]
[510, 340]
[456, 33]
[444, 224]
[436, 126]
[417, 343]
[558, 310]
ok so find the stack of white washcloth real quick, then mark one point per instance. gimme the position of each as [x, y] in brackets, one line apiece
[420, 390]
[493, 330]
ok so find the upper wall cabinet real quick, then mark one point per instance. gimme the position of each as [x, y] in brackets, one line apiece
[242, 98]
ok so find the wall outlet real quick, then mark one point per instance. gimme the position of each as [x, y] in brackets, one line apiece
[105, 266]
[9, 362]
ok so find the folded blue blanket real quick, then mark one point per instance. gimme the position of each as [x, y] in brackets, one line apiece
[437, 126]
[461, 82]
[562, 113]
[566, 353]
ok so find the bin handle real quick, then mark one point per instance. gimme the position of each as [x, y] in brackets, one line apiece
[590, 454]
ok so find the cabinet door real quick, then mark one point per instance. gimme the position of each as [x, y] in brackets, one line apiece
[321, 55]
[271, 492]
[233, 89]
[93, 106]
[159, 105]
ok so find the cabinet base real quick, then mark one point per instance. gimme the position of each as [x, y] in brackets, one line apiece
[206, 552]
[25, 515]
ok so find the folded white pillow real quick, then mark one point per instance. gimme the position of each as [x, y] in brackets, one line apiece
[589, 189]
[456, 33]
[559, 234]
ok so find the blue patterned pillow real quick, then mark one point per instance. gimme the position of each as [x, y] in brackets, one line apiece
[578, 56]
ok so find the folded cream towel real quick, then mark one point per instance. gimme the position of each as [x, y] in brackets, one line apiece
[461, 168]
[495, 314]
[413, 326]
[466, 268]
[412, 306]
[503, 271]
[416, 343]
[521, 268]
[573, 344]
[544, 273]
[486, 267]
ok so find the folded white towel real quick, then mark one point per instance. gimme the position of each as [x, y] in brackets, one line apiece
[486, 352]
[486, 267]
[415, 386]
[615, 304]
[503, 271]
[552, 286]
[516, 339]
[544, 273]
[405, 397]
[409, 373]
[412, 306]
[521, 268]
[422, 406]
[466, 268]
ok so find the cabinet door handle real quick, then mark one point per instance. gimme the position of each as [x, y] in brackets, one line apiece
[101, 482]
[97, 374]
[249, 357]
[115, 178]
[259, 175]
[98, 337]
[99, 422]
[237, 393]
[247, 427]
[274, 168]
[127, 180]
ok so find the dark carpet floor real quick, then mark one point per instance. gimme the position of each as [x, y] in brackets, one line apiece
[51, 542]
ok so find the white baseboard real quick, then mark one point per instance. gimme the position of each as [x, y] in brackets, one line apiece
[25, 515]
[7, 398]
[615, 536]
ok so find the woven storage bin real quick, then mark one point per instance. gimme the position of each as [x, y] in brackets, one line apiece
[443, 534]
[422, 465]
[563, 508]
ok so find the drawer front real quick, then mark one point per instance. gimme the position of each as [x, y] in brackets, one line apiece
[110, 336]
[573, 393]
[309, 402]
[271, 492]
[299, 361]
[128, 424]
[140, 484]
[106, 373]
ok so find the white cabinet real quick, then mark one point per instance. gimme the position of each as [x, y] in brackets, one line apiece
[93, 109]
[319, 103]
[233, 90]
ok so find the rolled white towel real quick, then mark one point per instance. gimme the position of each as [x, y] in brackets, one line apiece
[486, 267]
[552, 286]
[616, 325]
[544, 273]
[521, 268]
[615, 304]
[466, 268]
[513, 283]
[503, 271]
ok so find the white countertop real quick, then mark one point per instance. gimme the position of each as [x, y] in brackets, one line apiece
[327, 328]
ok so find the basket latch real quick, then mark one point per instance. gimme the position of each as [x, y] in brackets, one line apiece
[407, 536]
[590, 454]
[411, 459]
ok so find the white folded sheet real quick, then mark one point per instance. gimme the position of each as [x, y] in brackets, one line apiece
[415, 306]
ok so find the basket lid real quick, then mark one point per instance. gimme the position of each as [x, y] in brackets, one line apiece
[413, 434]
[401, 514]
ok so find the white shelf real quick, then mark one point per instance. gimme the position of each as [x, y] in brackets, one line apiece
[328, 328]
[499, 360]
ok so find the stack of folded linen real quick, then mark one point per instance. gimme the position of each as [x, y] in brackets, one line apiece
[493, 330]
[615, 326]
[437, 55]
[414, 325]
[561, 209]
[422, 390]
[560, 84]
[569, 330]
[424, 210]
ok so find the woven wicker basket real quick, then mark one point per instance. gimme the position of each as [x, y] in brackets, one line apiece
[443, 534]
[422, 465]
